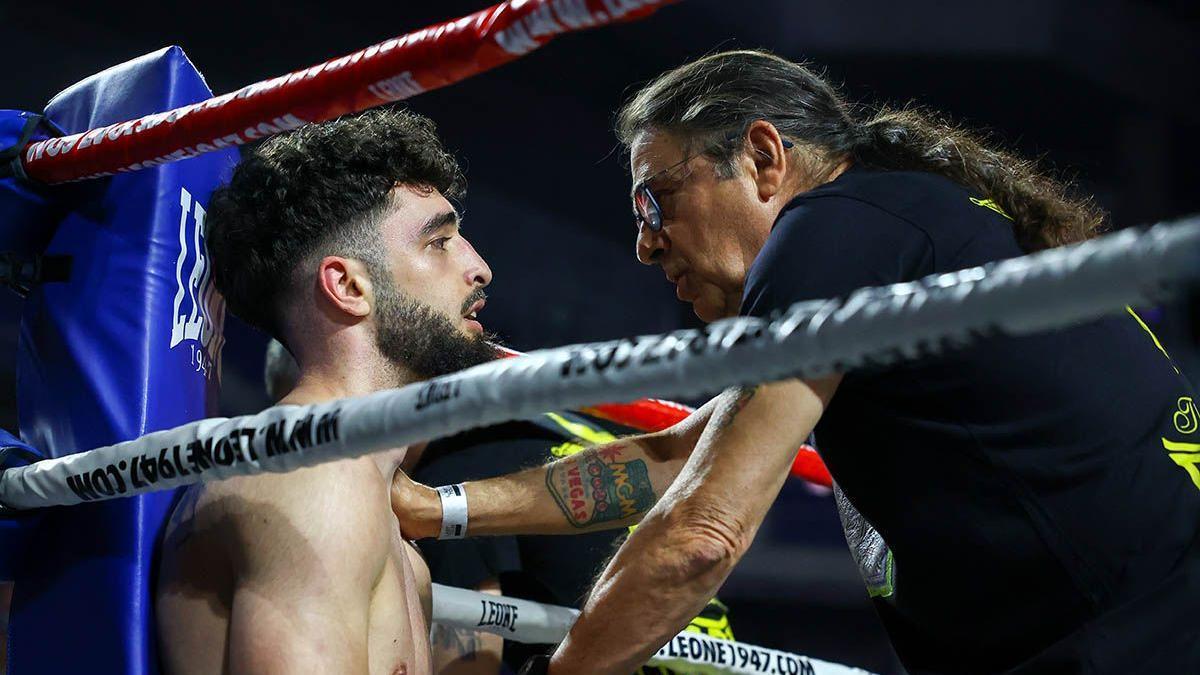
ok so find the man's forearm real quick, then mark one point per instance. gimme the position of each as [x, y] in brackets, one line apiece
[600, 488]
[687, 545]
[653, 586]
[603, 487]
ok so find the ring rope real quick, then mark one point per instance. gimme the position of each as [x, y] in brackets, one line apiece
[653, 414]
[873, 326]
[537, 623]
[389, 71]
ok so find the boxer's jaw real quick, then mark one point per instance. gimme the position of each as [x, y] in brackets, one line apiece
[431, 260]
[424, 341]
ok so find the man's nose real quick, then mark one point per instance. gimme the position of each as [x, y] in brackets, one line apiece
[477, 273]
[651, 245]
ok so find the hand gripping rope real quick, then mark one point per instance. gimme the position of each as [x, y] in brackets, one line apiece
[873, 326]
[533, 622]
[390, 71]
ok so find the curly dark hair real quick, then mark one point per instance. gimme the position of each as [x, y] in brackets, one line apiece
[702, 102]
[319, 190]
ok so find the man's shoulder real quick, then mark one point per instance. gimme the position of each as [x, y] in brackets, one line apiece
[890, 189]
[327, 507]
[913, 200]
[880, 207]
[351, 480]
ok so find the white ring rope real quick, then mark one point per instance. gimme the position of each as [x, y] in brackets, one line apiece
[873, 326]
[537, 623]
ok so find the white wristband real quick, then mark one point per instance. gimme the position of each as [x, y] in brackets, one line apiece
[454, 511]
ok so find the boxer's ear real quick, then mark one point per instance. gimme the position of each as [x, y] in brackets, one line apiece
[346, 286]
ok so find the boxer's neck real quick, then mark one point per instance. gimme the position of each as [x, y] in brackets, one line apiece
[343, 364]
[351, 378]
[354, 375]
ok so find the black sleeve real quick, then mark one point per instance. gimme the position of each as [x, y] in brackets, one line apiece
[829, 245]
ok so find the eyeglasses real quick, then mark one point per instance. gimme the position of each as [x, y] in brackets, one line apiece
[646, 210]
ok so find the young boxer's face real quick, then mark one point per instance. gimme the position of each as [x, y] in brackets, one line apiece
[427, 315]
[432, 262]
[712, 227]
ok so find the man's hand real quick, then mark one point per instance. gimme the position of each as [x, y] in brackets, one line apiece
[417, 507]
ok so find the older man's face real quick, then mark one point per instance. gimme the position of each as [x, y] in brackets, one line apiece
[711, 225]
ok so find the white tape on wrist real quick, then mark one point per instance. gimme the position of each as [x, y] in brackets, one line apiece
[454, 511]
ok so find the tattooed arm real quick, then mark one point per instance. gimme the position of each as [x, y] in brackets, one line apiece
[688, 543]
[603, 487]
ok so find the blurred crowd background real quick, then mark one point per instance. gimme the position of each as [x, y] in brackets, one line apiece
[1104, 91]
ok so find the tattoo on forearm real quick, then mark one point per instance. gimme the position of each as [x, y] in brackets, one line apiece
[729, 411]
[597, 486]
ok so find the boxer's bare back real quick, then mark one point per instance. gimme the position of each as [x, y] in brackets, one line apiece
[297, 572]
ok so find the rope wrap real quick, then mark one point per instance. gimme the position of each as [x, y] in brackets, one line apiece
[537, 623]
[874, 326]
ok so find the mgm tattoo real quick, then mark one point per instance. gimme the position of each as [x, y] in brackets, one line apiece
[595, 486]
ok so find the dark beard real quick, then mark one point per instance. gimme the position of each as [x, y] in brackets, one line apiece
[423, 341]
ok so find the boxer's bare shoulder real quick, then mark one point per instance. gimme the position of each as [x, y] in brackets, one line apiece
[286, 572]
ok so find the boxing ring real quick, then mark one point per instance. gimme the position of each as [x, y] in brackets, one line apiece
[121, 334]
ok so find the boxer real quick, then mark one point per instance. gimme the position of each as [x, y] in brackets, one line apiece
[340, 241]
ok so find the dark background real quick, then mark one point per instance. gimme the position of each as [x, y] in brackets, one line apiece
[1104, 91]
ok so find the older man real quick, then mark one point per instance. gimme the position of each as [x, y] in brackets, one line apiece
[1034, 501]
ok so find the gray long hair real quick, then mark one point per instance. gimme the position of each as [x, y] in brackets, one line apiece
[715, 97]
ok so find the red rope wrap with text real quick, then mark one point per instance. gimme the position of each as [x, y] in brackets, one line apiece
[392, 70]
[652, 414]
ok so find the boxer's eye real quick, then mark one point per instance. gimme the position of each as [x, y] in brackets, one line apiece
[440, 243]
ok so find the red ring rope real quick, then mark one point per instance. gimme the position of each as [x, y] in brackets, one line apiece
[392, 70]
[652, 414]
